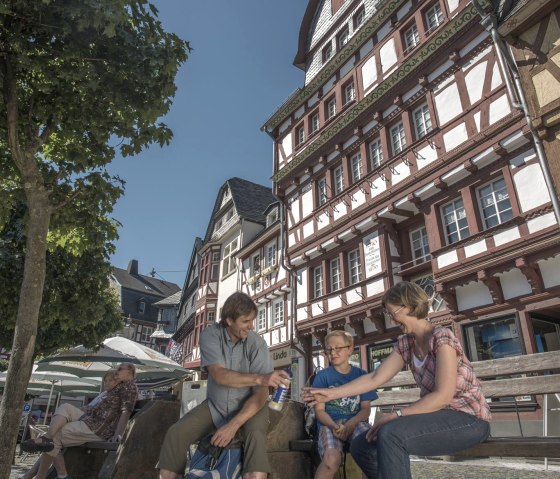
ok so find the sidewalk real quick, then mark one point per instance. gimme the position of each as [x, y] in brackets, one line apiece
[430, 469]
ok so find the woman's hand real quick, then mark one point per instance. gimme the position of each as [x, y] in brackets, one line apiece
[372, 433]
[314, 396]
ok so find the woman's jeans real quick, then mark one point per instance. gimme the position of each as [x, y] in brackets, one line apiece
[433, 434]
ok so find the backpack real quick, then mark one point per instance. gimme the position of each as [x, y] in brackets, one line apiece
[212, 462]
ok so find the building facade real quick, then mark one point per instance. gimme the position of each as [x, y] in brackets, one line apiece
[403, 158]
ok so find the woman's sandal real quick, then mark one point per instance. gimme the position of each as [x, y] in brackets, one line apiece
[41, 444]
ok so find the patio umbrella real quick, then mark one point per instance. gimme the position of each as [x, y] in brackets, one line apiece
[84, 362]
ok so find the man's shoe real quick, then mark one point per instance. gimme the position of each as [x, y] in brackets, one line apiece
[41, 444]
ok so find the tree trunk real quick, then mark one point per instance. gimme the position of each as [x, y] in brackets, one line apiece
[31, 293]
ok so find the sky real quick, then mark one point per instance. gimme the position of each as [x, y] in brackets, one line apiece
[238, 74]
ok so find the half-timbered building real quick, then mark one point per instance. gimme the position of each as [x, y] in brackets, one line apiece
[403, 158]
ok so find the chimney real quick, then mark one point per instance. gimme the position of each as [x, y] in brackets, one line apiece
[133, 266]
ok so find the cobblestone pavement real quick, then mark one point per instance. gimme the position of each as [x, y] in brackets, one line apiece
[428, 469]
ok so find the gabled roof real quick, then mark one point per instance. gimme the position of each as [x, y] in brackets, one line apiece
[250, 200]
[170, 300]
[145, 284]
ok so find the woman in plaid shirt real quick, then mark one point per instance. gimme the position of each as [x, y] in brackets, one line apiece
[451, 414]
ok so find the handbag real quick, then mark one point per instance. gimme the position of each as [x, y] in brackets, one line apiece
[213, 462]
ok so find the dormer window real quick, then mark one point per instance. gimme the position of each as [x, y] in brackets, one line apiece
[343, 38]
[272, 217]
[142, 307]
[327, 52]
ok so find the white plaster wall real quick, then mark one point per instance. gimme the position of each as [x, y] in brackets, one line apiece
[477, 120]
[379, 186]
[340, 210]
[448, 104]
[287, 145]
[375, 287]
[550, 271]
[541, 222]
[506, 236]
[531, 187]
[301, 314]
[352, 296]
[334, 303]
[475, 248]
[307, 203]
[455, 137]
[291, 239]
[359, 198]
[322, 220]
[299, 112]
[452, 5]
[346, 67]
[329, 84]
[369, 73]
[402, 171]
[388, 55]
[308, 229]
[425, 156]
[472, 295]
[284, 126]
[301, 286]
[447, 258]
[475, 81]
[496, 77]
[499, 109]
[316, 309]
[514, 284]
[313, 100]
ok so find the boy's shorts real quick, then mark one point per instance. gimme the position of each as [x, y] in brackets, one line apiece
[327, 439]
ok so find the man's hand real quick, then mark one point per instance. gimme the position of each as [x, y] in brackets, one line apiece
[275, 379]
[223, 436]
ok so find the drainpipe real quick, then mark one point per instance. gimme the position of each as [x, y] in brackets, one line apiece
[517, 96]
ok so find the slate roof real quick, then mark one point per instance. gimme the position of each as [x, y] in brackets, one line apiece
[170, 300]
[250, 200]
[145, 284]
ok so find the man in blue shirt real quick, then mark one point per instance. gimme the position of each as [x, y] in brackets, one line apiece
[239, 374]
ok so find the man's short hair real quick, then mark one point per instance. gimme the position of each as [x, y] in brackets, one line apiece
[131, 367]
[238, 304]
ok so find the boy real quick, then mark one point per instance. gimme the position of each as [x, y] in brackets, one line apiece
[343, 419]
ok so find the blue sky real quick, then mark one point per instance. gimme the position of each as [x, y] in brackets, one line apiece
[238, 74]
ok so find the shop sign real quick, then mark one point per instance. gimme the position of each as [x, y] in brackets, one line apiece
[281, 357]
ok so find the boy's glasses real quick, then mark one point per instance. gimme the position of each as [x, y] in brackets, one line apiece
[336, 350]
[389, 316]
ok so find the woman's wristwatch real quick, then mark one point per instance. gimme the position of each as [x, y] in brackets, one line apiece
[398, 412]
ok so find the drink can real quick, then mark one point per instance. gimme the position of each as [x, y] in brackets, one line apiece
[280, 395]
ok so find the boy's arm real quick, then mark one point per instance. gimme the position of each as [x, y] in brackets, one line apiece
[323, 417]
[362, 416]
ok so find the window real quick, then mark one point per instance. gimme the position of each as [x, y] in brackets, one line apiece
[215, 271]
[317, 281]
[300, 135]
[272, 217]
[336, 277]
[315, 123]
[375, 154]
[356, 164]
[228, 265]
[398, 140]
[359, 18]
[411, 38]
[142, 307]
[455, 221]
[322, 191]
[261, 319]
[349, 93]
[354, 266]
[343, 38]
[498, 338]
[215, 256]
[278, 308]
[271, 255]
[331, 108]
[256, 264]
[327, 52]
[146, 333]
[211, 316]
[419, 245]
[338, 180]
[434, 17]
[422, 121]
[493, 200]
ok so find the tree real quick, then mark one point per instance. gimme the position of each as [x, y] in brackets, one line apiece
[79, 81]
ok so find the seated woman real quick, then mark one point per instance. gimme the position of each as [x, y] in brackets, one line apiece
[451, 414]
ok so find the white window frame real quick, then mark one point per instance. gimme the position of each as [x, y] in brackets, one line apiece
[419, 236]
[411, 38]
[398, 138]
[211, 318]
[338, 180]
[315, 122]
[461, 233]
[335, 274]
[317, 281]
[322, 191]
[327, 52]
[357, 167]
[278, 312]
[142, 307]
[349, 92]
[359, 18]
[343, 38]
[256, 264]
[331, 108]
[261, 318]
[270, 259]
[375, 153]
[228, 263]
[434, 17]
[300, 135]
[422, 121]
[354, 267]
[216, 256]
[502, 216]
